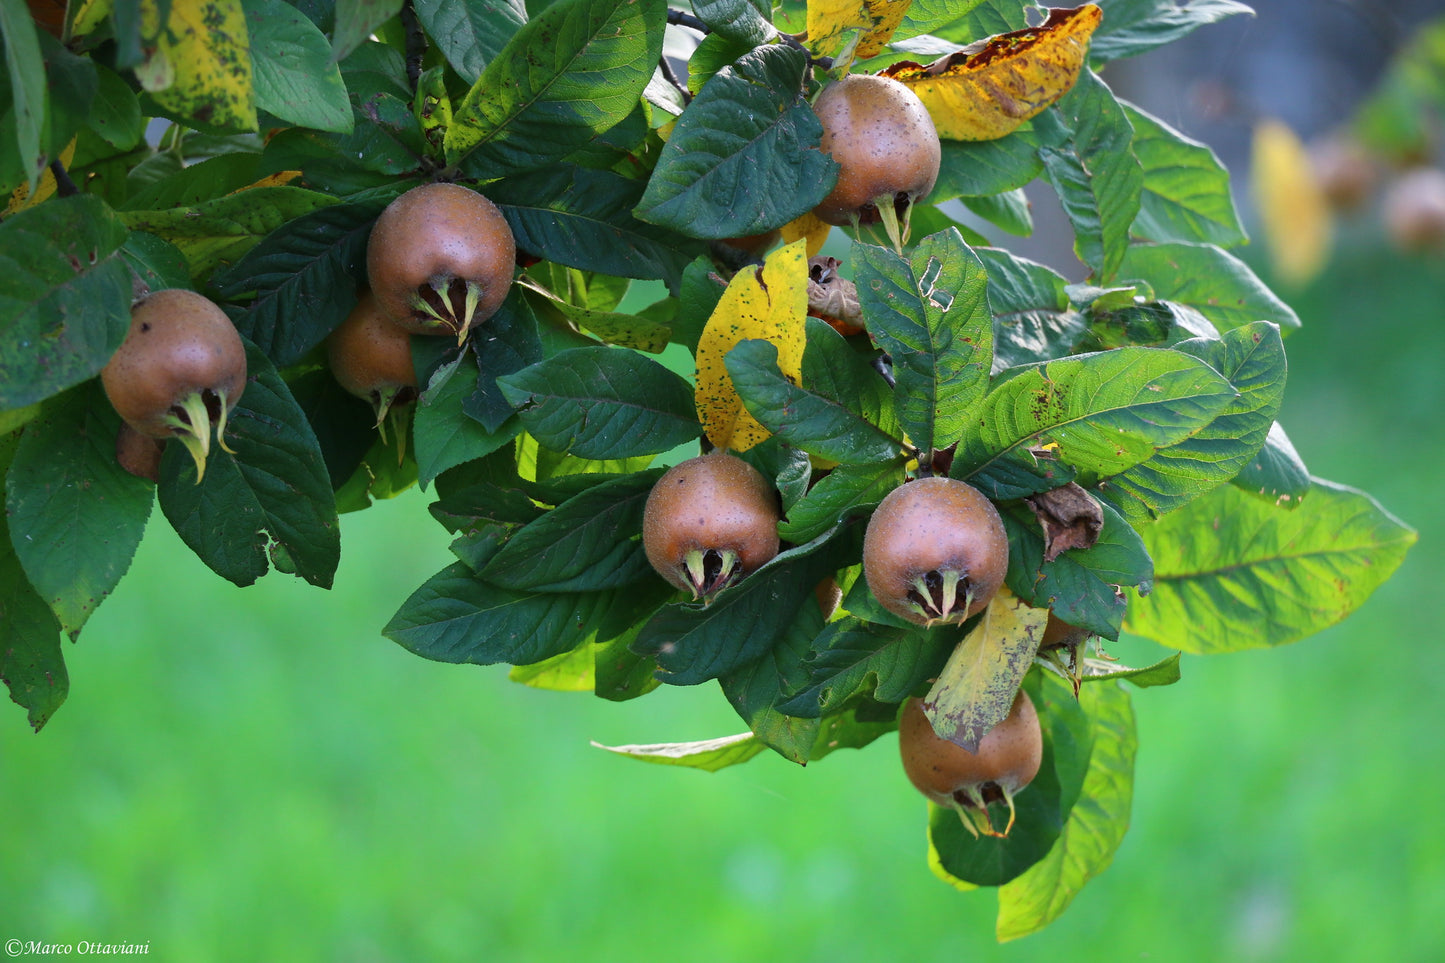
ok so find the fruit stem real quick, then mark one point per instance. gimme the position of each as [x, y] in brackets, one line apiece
[221, 423]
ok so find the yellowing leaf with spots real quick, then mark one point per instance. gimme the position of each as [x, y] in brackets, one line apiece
[769, 303]
[987, 90]
[830, 20]
[1292, 205]
[23, 197]
[807, 228]
[198, 62]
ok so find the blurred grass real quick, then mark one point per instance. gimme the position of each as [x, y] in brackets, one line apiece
[257, 774]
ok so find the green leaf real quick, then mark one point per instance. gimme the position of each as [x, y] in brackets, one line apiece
[356, 21]
[1233, 571]
[302, 279]
[1276, 472]
[852, 658]
[1081, 585]
[293, 73]
[1161, 673]
[603, 403]
[755, 690]
[27, 85]
[742, 21]
[115, 115]
[471, 35]
[583, 219]
[822, 425]
[1214, 282]
[843, 493]
[509, 342]
[456, 617]
[1033, 319]
[444, 434]
[1009, 211]
[1186, 189]
[575, 71]
[591, 542]
[694, 643]
[216, 232]
[1096, 175]
[1253, 360]
[745, 155]
[709, 755]
[1096, 823]
[931, 314]
[274, 491]
[76, 516]
[1099, 414]
[64, 297]
[1133, 27]
[1042, 807]
[565, 672]
[197, 182]
[626, 330]
[984, 167]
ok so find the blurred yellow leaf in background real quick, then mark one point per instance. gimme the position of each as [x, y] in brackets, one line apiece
[830, 20]
[1292, 206]
[770, 303]
[986, 90]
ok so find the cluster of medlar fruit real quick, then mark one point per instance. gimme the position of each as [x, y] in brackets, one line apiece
[177, 374]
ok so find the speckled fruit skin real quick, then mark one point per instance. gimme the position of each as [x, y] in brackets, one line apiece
[439, 231]
[180, 343]
[368, 354]
[1008, 755]
[934, 524]
[715, 501]
[884, 141]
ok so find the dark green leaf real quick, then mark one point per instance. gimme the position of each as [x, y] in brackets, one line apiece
[1009, 211]
[1099, 414]
[855, 727]
[27, 83]
[984, 167]
[1096, 823]
[931, 314]
[292, 70]
[1214, 282]
[588, 543]
[273, 490]
[304, 278]
[65, 297]
[1096, 175]
[1186, 189]
[456, 617]
[583, 218]
[471, 35]
[116, 116]
[820, 424]
[76, 516]
[155, 262]
[744, 21]
[603, 403]
[198, 182]
[1252, 358]
[744, 157]
[755, 690]
[506, 344]
[844, 492]
[345, 426]
[852, 658]
[356, 21]
[1033, 319]
[443, 433]
[1233, 571]
[1133, 27]
[576, 70]
[1276, 472]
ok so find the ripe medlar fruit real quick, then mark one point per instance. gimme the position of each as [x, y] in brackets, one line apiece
[1007, 760]
[886, 147]
[179, 371]
[708, 522]
[1414, 210]
[440, 259]
[370, 357]
[935, 551]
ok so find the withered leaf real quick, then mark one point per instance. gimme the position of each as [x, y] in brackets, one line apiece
[832, 298]
[1069, 517]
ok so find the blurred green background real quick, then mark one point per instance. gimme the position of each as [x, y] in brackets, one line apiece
[257, 774]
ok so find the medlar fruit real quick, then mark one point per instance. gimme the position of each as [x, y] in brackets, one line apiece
[440, 259]
[180, 370]
[935, 551]
[1007, 760]
[886, 146]
[371, 358]
[708, 522]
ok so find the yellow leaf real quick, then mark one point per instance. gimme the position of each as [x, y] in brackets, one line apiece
[198, 63]
[830, 20]
[88, 15]
[1292, 206]
[23, 198]
[769, 303]
[987, 90]
[807, 228]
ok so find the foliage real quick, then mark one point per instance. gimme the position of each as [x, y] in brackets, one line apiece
[1150, 391]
